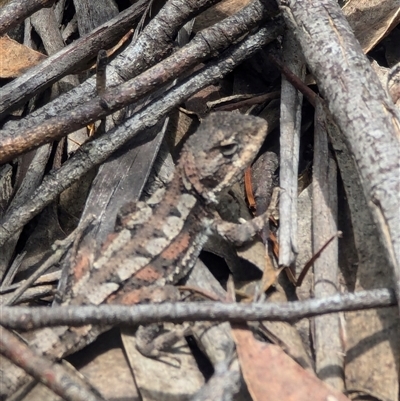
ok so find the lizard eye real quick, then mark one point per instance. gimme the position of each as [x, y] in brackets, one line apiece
[229, 149]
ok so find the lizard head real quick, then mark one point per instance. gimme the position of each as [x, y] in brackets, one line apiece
[216, 156]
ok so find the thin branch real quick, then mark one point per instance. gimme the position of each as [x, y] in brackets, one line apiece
[101, 72]
[97, 151]
[16, 11]
[294, 80]
[328, 344]
[28, 318]
[290, 133]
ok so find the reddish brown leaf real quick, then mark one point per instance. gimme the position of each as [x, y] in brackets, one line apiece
[16, 58]
[272, 375]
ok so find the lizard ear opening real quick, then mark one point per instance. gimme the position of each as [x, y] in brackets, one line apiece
[229, 150]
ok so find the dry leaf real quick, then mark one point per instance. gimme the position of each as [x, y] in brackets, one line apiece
[272, 375]
[372, 20]
[15, 58]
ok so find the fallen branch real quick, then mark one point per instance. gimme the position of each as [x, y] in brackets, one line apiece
[24, 318]
[16, 11]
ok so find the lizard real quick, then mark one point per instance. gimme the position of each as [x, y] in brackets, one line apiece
[161, 238]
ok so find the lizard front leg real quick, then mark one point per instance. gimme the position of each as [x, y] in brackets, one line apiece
[239, 233]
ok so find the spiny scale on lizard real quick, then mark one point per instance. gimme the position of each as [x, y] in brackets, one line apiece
[163, 239]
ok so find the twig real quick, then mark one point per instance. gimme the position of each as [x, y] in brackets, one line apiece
[53, 375]
[224, 384]
[101, 72]
[236, 102]
[45, 279]
[24, 318]
[97, 151]
[39, 292]
[16, 11]
[328, 347]
[290, 133]
[101, 84]
[31, 180]
[12, 271]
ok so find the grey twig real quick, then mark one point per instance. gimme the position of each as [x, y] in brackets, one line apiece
[290, 133]
[28, 318]
[327, 329]
[16, 11]
[101, 71]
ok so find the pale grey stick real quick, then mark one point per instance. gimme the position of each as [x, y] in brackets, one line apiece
[328, 347]
[28, 318]
[14, 12]
[290, 127]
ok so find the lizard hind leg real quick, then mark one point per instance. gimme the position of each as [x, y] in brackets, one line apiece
[153, 341]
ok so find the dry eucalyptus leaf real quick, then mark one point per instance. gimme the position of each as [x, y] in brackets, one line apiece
[372, 20]
[16, 58]
[272, 375]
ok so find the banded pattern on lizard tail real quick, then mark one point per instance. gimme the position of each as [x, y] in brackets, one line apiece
[161, 240]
